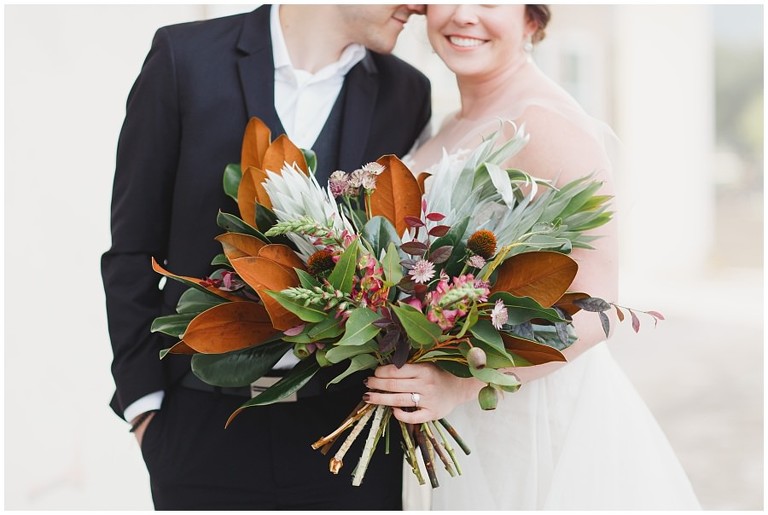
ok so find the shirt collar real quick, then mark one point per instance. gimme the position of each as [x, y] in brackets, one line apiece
[350, 56]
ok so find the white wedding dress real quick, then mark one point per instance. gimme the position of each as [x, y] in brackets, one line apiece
[579, 438]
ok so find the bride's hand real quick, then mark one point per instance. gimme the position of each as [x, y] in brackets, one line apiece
[438, 392]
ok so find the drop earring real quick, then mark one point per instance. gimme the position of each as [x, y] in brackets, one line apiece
[528, 46]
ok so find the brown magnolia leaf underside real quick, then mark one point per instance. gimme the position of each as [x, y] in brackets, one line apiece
[263, 274]
[534, 352]
[282, 255]
[181, 348]
[247, 193]
[566, 302]
[282, 151]
[221, 293]
[229, 327]
[237, 245]
[421, 179]
[255, 143]
[397, 193]
[544, 276]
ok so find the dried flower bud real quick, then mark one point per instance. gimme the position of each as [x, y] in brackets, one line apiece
[488, 397]
[476, 357]
[482, 243]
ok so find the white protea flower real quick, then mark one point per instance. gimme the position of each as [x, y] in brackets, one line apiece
[295, 195]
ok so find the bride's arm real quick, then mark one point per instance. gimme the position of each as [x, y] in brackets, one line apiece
[562, 151]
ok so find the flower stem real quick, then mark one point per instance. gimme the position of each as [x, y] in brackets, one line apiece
[438, 449]
[451, 431]
[355, 415]
[338, 460]
[427, 454]
[410, 452]
[365, 457]
[448, 446]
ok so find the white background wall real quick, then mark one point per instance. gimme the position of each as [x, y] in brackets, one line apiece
[68, 70]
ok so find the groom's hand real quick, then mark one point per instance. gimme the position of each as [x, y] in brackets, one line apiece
[139, 431]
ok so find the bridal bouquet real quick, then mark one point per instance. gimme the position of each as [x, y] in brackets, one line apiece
[473, 276]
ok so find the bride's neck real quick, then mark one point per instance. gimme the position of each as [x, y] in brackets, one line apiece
[482, 94]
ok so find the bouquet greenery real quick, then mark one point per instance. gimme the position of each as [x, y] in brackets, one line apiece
[473, 276]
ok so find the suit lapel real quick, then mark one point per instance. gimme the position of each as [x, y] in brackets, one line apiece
[362, 88]
[257, 70]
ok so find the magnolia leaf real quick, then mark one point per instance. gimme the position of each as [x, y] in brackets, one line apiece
[178, 348]
[232, 223]
[232, 176]
[534, 352]
[241, 367]
[416, 325]
[237, 245]
[290, 384]
[544, 276]
[247, 194]
[339, 354]
[195, 283]
[393, 272]
[359, 328]
[194, 301]
[227, 327]
[344, 270]
[356, 364]
[282, 255]
[265, 218]
[421, 179]
[255, 143]
[397, 193]
[221, 260]
[172, 325]
[310, 313]
[264, 275]
[280, 152]
[310, 157]
[523, 309]
[566, 302]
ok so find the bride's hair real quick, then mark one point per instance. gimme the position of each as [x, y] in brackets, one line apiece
[540, 15]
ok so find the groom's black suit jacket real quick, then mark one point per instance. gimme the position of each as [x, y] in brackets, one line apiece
[186, 114]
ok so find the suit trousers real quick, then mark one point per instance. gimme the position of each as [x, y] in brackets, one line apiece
[264, 459]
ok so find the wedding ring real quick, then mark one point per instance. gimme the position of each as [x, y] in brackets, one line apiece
[415, 397]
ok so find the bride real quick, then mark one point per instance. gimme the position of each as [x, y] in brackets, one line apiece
[576, 435]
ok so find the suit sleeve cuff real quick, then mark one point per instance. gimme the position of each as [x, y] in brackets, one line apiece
[149, 402]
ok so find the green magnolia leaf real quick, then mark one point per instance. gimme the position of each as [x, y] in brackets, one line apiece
[416, 325]
[310, 157]
[221, 260]
[344, 270]
[359, 328]
[309, 313]
[241, 367]
[235, 224]
[393, 271]
[523, 309]
[288, 385]
[194, 301]
[172, 325]
[357, 363]
[265, 218]
[491, 376]
[339, 354]
[232, 177]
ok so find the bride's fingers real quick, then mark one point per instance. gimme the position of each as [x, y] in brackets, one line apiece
[407, 371]
[402, 400]
[413, 417]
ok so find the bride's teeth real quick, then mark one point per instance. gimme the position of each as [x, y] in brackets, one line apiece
[465, 42]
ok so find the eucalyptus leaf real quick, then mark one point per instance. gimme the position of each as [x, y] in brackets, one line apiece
[380, 232]
[309, 313]
[344, 270]
[491, 376]
[339, 354]
[393, 271]
[484, 330]
[331, 327]
[417, 327]
[359, 328]
[306, 280]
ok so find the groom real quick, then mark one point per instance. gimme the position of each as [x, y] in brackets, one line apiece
[305, 71]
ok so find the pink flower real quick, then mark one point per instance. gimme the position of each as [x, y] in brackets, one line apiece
[338, 183]
[422, 272]
[499, 315]
[476, 261]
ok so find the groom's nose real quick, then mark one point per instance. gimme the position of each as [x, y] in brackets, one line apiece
[417, 8]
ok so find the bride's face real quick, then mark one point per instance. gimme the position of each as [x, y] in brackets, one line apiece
[476, 40]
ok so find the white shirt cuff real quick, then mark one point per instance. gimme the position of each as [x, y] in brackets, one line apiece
[149, 402]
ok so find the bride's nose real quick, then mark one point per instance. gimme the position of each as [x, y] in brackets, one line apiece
[464, 14]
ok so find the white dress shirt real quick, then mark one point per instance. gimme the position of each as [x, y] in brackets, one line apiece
[303, 101]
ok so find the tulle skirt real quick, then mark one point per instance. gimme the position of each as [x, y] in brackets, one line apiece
[579, 438]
